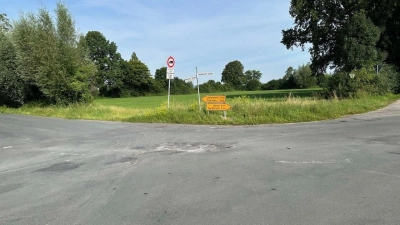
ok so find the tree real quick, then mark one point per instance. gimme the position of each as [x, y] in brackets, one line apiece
[161, 77]
[343, 34]
[12, 91]
[49, 59]
[4, 23]
[303, 77]
[233, 74]
[211, 86]
[289, 72]
[273, 85]
[253, 75]
[136, 77]
[11, 85]
[253, 80]
[288, 81]
[108, 61]
[357, 42]
[179, 86]
[253, 85]
[134, 57]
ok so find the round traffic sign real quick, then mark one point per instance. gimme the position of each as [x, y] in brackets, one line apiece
[171, 62]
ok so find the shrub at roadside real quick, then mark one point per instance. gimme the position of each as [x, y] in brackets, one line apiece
[363, 81]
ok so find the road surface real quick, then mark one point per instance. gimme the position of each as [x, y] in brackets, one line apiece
[344, 171]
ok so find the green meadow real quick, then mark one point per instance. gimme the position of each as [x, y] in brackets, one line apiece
[247, 108]
[156, 101]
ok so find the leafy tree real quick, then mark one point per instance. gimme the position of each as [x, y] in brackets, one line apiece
[384, 14]
[108, 61]
[253, 75]
[289, 72]
[303, 77]
[136, 77]
[253, 80]
[233, 74]
[300, 78]
[50, 60]
[341, 33]
[207, 87]
[288, 81]
[134, 57]
[160, 77]
[12, 91]
[253, 85]
[4, 23]
[357, 43]
[179, 86]
[273, 85]
[211, 87]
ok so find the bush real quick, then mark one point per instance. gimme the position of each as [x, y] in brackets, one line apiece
[253, 85]
[273, 85]
[390, 78]
[211, 87]
[52, 67]
[12, 92]
[345, 85]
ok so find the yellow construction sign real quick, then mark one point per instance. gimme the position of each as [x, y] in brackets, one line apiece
[216, 107]
[214, 99]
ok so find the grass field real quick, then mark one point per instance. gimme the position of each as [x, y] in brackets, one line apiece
[247, 108]
[156, 101]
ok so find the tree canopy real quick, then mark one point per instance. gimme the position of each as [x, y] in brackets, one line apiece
[233, 74]
[345, 34]
[4, 23]
[44, 60]
[104, 55]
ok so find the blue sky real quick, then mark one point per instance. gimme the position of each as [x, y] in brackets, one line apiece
[206, 34]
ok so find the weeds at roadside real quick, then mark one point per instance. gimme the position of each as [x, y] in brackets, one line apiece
[244, 110]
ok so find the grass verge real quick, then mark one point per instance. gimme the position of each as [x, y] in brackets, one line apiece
[244, 111]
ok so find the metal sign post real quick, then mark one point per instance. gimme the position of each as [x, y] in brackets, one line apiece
[198, 89]
[198, 86]
[170, 74]
[169, 90]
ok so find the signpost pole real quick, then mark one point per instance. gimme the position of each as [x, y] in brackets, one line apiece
[198, 89]
[169, 90]
[170, 74]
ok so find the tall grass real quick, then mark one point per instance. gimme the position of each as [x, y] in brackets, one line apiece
[244, 111]
[155, 101]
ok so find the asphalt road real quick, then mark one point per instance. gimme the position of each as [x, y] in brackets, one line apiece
[56, 171]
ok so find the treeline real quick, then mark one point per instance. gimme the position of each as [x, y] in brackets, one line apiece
[117, 77]
[44, 59]
[298, 79]
[234, 78]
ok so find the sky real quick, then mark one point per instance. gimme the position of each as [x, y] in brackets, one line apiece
[207, 34]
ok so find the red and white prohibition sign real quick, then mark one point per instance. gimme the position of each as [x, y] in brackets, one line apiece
[171, 62]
